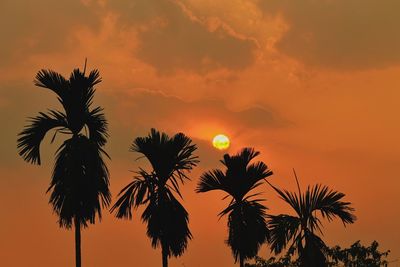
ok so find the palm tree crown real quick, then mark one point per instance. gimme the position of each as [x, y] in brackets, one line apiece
[167, 220]
[246, 216]
[300, 229]
[80, 180]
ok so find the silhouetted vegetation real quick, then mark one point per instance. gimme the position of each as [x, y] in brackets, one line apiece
[80, 181]
[356, 255]
[79, 188]
[284, 261]
[246, 216]
[298, 233]
[166, 218]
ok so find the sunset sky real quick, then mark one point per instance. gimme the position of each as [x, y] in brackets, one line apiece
[312, 84]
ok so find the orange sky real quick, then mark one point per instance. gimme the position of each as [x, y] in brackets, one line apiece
[313, 85]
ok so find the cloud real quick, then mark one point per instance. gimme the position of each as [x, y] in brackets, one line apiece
[347, 34]
[39, 27]
[19, 102]
[144, 109]
[172, 38]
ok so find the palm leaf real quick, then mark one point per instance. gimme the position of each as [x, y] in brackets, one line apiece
[316, 199]
[240, 159]
[291, 198]
[91, 80]
[97, 124]
[239, 178]
[54, 81]
[283, 228]
[212, 180]
[130, 196]
[30, 138]
[329, 204]
[169, 157]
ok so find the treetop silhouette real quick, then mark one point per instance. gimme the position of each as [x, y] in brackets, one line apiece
[171, 158]
[246, 215]
[300, 230]
[79, 186]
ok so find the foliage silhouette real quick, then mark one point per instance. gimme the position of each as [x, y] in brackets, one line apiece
[246, 217]
[79, 184]
[284, 261]
[358, 255]
[166, 218]
[300, 229]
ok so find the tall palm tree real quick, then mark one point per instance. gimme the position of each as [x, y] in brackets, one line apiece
[300, 230]
[166, 218]
[80, 180]
[246, 217]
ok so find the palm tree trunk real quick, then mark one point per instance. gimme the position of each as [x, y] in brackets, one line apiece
[164, 256]
[77, 242]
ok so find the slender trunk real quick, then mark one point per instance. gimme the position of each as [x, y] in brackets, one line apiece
[164, 256]
[77, 242]
[241, 261]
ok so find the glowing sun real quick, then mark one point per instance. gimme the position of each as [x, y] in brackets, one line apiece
[221, 142]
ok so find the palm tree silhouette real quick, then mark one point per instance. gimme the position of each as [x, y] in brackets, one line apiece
[300, 229]
[80, 181]
[246, 217]
[166, 218]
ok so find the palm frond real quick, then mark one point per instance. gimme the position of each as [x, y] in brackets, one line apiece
[292, 199]
[283, 228]
[146, 145]
[184, 151]
[301, 229]
[30, 138]
[97, 124]
[212, 180]
[81, 93]
[170, 158]
[54, 81]
[91, 80]
[256, 172]
[239, 178]
[131, 196]
[328, 203]
[242, 158]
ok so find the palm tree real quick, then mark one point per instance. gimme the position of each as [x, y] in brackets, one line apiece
[80, 180]
[300, 229]
[166, 218]
[246, 217]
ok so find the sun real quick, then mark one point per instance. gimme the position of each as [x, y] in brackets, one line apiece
[221, 142]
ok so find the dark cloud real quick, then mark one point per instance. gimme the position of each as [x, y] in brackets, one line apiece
[171, 38]
[44, 26]
[350, 34]
[154, 108]
[134, 114]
